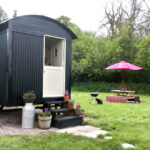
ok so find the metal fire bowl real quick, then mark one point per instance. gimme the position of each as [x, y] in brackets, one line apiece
[94, 94]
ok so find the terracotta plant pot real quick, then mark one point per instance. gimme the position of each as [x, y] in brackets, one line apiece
[44, 122]
[28, 100]
[66, 98]
[79, 112]
[70, 106]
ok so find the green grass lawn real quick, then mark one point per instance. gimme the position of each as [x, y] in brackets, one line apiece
[126, 122]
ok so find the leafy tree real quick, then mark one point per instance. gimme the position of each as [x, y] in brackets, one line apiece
[143, 55]
[135, 15]
[91, 54]
[3, 15]
[143, 59]
[65, 20]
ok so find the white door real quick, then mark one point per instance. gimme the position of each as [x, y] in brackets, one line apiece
[54, 67]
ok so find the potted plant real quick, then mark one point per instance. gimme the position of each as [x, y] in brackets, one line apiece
[66, 95]
[29, 97]
[70, 104]
[44, 119]
[78, 110]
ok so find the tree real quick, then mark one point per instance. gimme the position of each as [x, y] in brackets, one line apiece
[92, 53]
[143, 55]
[113, 20]
[3, 15]
[135, 15]
[65, 20]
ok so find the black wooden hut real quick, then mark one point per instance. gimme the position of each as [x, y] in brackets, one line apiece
[35, 54]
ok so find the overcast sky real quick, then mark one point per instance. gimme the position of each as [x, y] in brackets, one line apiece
[87, 14]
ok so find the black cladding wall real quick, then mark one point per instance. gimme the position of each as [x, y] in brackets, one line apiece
[21, 56]
[27, 65]
[3, 67]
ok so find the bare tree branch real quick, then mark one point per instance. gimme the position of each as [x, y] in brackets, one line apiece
[137, 18]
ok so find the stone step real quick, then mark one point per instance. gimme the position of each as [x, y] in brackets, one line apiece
[61, 110]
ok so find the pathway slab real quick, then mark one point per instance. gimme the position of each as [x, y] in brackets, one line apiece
[88, 131]
[127, 145]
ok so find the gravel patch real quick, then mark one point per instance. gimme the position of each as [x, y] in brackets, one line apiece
[11, 120]
[10, 124]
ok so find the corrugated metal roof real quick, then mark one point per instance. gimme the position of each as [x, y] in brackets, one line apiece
[4, 25]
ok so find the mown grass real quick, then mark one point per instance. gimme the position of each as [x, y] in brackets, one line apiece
[126, 122]
[50, 141]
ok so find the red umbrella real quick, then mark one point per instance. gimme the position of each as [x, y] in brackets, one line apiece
[123, 65]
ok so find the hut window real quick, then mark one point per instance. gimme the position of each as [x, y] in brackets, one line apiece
[55, 54]
[48, 56]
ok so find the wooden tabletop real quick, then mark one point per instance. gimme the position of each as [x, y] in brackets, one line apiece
[123, 92]
[120, 91]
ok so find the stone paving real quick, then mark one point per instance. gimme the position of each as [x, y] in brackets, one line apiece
[88, 131]
[92, 132]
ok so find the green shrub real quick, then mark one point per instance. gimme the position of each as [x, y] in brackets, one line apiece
[107, 87]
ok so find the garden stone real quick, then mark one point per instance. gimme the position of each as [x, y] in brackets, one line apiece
[127, 145]
[108, 137]
[38, 111]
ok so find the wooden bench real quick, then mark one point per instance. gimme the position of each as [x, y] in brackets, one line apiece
[134, 99]
[122, 99]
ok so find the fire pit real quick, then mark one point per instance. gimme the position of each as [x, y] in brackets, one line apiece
[94, 95]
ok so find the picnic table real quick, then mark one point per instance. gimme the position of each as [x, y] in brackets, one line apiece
[123, 92]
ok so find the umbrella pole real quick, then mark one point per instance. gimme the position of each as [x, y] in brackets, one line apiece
[123, 87]
[122, 77]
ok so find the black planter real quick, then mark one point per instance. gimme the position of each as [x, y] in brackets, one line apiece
[28, 100]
